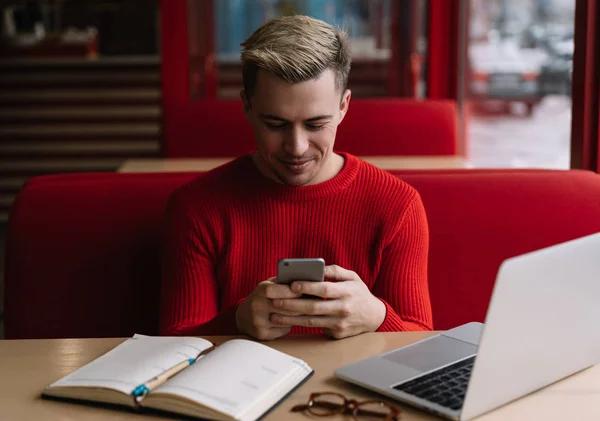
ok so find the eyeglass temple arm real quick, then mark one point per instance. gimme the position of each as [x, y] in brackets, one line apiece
[374, 414]
[304, 407]
[328, 405]
[299, 408]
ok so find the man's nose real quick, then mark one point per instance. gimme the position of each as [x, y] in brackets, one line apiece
[297, 142]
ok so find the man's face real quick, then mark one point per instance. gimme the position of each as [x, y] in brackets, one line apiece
[295, 125]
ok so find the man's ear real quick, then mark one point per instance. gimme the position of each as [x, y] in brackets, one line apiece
[345, 104]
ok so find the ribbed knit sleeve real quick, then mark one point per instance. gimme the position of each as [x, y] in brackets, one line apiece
[402, 281]
[189, 293]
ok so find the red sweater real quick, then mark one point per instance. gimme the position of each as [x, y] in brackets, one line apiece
[226, 231]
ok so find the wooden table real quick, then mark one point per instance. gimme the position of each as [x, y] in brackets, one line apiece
[27, 366]
[205, 164]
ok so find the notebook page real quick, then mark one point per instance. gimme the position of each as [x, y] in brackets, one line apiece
[133, 362]
[234, 376]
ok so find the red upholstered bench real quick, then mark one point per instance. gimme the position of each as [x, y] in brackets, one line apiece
[395, 126]
[389, 126]
[82, 249]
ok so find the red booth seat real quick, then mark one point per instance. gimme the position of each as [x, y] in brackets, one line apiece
[371, 127]
[82, 252]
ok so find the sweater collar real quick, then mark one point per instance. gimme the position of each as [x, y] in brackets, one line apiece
[279, 191]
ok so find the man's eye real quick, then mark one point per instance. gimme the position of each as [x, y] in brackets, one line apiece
[275, 126]
[314, 127]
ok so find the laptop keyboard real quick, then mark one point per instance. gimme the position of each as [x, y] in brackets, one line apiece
[446, 387]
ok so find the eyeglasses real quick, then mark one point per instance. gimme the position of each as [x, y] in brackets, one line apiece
[325, 404]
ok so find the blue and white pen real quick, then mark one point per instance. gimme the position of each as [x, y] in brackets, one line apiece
[145, 388]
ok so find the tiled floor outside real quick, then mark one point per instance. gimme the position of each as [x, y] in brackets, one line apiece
[517, 141]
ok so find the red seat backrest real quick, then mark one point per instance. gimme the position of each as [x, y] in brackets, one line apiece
[390, 126]
[396, 126]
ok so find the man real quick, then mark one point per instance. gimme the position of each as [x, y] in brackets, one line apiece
[295, 197]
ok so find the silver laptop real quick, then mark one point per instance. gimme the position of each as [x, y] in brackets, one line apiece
[542, 324]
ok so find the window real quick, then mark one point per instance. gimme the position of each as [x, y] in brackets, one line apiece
[517, 99]
[386, 36]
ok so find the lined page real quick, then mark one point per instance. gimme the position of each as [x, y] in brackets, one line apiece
[238, 374]
[133, 362]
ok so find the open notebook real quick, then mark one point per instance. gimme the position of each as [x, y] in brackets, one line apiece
[238, 380]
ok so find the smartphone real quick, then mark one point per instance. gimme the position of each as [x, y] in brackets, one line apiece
[290, 270]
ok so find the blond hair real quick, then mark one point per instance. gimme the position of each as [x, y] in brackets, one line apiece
[296, 49]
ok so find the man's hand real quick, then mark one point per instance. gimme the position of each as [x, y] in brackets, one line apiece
[350, 307]
[253, 314]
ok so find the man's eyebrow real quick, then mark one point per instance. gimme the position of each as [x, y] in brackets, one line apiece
[312, 119]
[319, 117]
[272, 117]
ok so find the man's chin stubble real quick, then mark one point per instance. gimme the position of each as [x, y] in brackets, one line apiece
[283, 180]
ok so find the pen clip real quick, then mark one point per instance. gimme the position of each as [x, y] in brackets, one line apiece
[139, 393]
